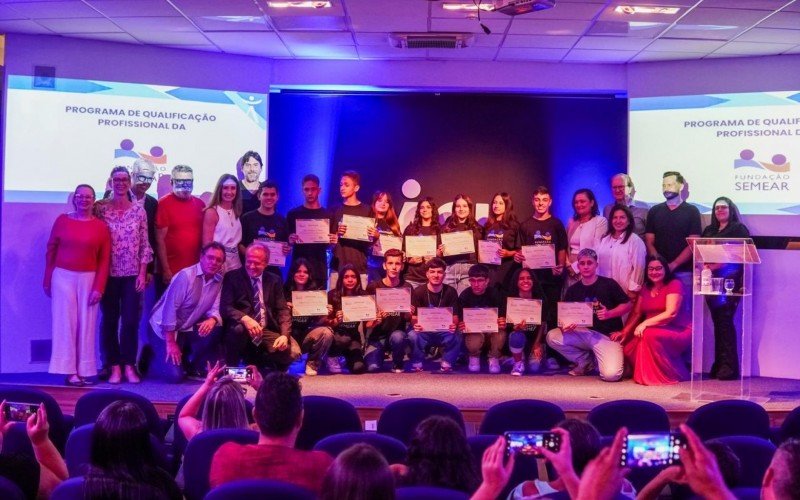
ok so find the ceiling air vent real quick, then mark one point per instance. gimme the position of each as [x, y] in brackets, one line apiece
[430, 40]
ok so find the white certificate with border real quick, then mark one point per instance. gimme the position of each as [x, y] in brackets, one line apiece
[458, 243]
[435, 319]
[518, 309]
[358, 308]
[394, 300]
[385, 243]
[539, 256]
[276, 255]
[480, 319]
[313, 231]
[577, 313]
[487, 252]
[421, 246]
[310, 303]
[357, 227]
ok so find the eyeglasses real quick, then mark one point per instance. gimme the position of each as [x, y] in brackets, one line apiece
[655, 269]
[144, 179]
[183, 182]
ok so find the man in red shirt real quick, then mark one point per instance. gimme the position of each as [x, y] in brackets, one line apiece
[179, 224]
[278, 412]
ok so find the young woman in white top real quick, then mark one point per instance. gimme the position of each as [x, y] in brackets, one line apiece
[221, 219]
[584, 229]
[621, 253]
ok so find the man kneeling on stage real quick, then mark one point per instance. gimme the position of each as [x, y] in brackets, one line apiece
[256, 319]
[187, 315]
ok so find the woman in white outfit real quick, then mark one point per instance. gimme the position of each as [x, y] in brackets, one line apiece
[621, 253]
[584, 229]
[221, 219]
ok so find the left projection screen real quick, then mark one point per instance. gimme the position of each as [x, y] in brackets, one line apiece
[78, 130]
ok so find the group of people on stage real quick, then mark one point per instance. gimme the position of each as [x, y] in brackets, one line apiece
[218, 275]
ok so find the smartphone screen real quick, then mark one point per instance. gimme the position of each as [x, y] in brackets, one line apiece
[525, 443]
[19, 412]
[239, 374]
[651, 450]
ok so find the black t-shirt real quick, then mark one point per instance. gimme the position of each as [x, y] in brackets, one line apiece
[350, 328]
[447, 297]
[257, 226]
[384, 229]
[477, 233]
[349, 251]
[732, 230]
[250, 200]
[607, 292]
[671, 228]
[316, 253]
[393, 321]
[300, 324]
[491, 297]
[416, 272]
[550, 231]
[506, 234]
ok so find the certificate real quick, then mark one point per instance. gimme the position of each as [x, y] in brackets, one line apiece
[458, 243]
[487, 252]
[421, 246]
[577, 313]
[386, 242]
[529, 310]
[539, 256]
[357, 227]
[480, 319]
[310, 303]
[394, 300]
[435, 319]
[313, 231]
[358, 308]
[276, 255]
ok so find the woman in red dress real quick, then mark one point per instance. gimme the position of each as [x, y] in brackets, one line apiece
[656, 335]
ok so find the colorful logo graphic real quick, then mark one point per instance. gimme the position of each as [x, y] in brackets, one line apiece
[779, 162]
[156, 156]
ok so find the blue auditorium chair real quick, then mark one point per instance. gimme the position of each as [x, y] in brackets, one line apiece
[640, 417]
[393, 450]
[60, 424]
[258, 489]
[325, 416]
[429, 493]
[90, 405]
[521, 415]
[79, 451]
[400, 418]
[755, 455]
[199, 453]
[730, 417]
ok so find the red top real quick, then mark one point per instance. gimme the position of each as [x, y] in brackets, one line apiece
[235, 461]
[80, 246]
[183, 220]
[652, 306]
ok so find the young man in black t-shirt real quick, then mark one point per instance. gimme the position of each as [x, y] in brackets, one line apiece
[315, 253]
[349, 251]
[480, 294]
[581, 344]
[265, 224]
[435, 294]
[389, 331]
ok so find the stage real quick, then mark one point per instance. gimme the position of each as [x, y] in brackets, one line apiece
[472, 393]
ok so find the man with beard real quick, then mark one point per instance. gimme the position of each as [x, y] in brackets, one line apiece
[251, 170]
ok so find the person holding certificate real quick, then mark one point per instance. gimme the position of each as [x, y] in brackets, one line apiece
[621, 253]
[525, 287]
[481, 296]
[462, 219]
[389, 331]
[266, 224]
[425, 223]
[657, 334]
[347, 250]
[584, 229]
[544, 229]
[440, 301]
[502, 227]
[386, 224]
[311, 332]
[586, 346]
[346, 335]
[311, 209]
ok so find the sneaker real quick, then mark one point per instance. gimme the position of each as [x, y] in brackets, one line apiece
[311, 369]
[446, 367]
[494, 365]
[397, 369]
[581, 370]
[416, 368]
[519, 369]
[474, 364]
[373, 368]
[552, 364]
[333, 365]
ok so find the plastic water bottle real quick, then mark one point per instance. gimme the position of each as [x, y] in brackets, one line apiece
[705, 280]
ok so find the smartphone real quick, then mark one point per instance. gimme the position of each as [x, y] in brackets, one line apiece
[527, 442]
[239, 374]
[19, 412]
[651, 450]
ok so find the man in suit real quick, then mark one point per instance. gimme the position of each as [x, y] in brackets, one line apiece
[256, 319]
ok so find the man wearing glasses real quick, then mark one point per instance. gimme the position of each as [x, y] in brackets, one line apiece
[623, 191]
[142, 174]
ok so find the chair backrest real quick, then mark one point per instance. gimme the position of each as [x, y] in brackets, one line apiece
[400, 418]
[59, 428]
[16, 441]
[393, 450]
[79, 451]
[525, 468]
[71, 489]
[325, 416]
[9, 490]
[199, 453]
[521, 415]
[90, 405]
[755, 455]
[790, 428]
[257, 489]
[638, 416]
[731, 417]
[429, 493]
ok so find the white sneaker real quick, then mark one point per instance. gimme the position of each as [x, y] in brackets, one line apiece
[474, 364]
[445, 367]
[519, 369]
[494, 365]
[311, 369]
[333, 365]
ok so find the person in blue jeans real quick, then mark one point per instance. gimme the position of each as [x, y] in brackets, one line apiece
[390, 330]
[438, 295]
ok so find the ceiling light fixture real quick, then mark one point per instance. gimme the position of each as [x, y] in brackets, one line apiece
[645, 9]
[304, 4]
[468, 6]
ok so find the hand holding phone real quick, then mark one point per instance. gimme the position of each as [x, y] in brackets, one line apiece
[652, 450]
[19, 412]
[527, 443]
[239, 374]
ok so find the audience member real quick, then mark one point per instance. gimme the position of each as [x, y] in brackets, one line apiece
[623, 192]
[584, 229]
[481, 295]
[222, 220]
[265, 223]
[359, 473]
[435, 294]
[496, 469]
[251, 166]
[311, 209]
[782, 479]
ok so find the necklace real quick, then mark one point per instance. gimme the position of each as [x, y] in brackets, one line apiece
[430, 302]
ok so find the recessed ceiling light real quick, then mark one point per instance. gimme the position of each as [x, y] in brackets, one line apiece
[468, 6]
[301, 4]
[645, 9]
